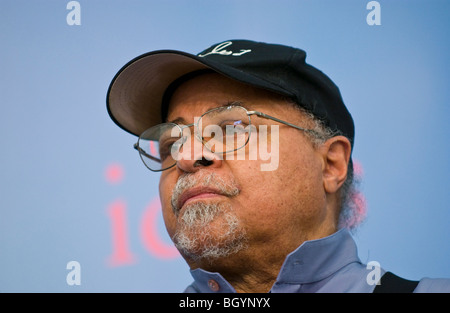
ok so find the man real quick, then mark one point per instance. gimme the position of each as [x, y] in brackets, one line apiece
[246, 219]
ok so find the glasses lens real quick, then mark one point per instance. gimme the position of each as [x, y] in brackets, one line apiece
[156, 144]
[225, 129]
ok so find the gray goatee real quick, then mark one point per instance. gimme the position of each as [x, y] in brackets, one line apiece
[207, 230]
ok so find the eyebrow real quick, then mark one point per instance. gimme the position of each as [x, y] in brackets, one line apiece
[182, 121]
[178, 120]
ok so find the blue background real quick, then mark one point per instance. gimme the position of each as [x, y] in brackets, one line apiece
[57, 139]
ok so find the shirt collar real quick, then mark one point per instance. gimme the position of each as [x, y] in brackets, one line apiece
[317, 259]
[312, 261]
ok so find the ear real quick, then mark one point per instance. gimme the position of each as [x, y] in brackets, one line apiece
[336, 156]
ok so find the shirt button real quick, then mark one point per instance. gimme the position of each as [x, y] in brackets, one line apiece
[213, 285]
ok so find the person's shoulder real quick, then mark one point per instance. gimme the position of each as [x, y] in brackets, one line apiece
[433, 285]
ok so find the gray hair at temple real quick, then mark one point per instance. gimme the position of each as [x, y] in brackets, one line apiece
[352, 203]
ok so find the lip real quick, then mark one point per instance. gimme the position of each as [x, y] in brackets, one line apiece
[197, 193]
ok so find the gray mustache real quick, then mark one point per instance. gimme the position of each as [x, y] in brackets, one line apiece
[210, 179]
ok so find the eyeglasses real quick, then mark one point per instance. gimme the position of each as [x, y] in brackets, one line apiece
[160, 146]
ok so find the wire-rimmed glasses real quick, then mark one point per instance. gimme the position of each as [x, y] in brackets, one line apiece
[220, 130]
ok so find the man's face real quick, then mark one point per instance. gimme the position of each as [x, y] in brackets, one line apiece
[223, 210]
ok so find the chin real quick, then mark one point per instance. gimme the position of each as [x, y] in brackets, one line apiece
[209, 232]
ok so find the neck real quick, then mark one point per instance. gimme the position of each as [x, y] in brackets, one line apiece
[256, 268]
[244, 271]
[253, 269]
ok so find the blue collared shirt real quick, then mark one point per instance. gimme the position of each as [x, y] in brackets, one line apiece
[329, 264]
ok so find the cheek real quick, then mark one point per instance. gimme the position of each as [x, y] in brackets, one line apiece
[300, 177]
[288, 196]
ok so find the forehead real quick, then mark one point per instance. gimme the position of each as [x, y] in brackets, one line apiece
[207, 91]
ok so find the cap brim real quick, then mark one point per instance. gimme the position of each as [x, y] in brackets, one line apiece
[136, 93]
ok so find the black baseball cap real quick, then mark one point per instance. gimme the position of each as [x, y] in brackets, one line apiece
[135, 95]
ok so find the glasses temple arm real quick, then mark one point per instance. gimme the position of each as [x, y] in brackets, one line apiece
[135, 146]
[283, 122]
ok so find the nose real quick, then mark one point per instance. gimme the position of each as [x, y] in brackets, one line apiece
[194, 157]
[203, 162]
